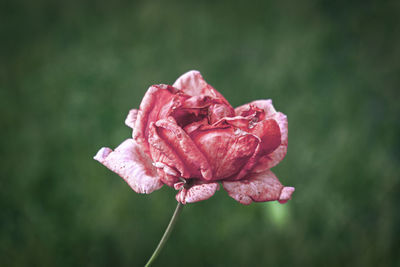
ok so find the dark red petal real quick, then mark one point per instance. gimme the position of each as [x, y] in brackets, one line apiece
[183, 146]
[227, 150]
[162, 152]
[263, 104]
[134, 166]
[219, 111]
[269, 133]
[258, 187]
[195, 125]
[272, 159]
[268, 161]
[192, 109]
[156, 103]
[237, 121]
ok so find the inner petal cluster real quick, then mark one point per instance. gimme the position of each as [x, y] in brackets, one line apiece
[202, 136]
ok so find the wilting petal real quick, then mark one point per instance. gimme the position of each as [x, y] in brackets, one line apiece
[263, 104]
[269, 133]
[166, 177]
[267, 130]
[219, 111]
[156, 102]
[131, 118]
[271, 113]
[286, 194]
[190, 128]
[190, 110]
[134, 166]
[270, 160]
[183, 146]
[167, 169]
[192, 83]
[258, 187]
[237, 121]
[227, 150]
[161, 152]
[197, 192]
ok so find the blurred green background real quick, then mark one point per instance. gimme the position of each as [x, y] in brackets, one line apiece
[71, 70]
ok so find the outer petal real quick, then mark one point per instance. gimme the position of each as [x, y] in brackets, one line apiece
[134, 166]
[269, 132]
[131, 118]
[272, 159]
[197, 192]
[258, 187]
[156, 103]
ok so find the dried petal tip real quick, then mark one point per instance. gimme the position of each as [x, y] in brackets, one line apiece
[197, 192]
[131, 118]
[134, 166]
[258, 187]
[102, 154]
[286, 194]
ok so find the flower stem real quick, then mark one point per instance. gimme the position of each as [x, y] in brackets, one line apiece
[166, 235]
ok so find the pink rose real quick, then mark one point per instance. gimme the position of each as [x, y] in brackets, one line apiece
[189, 137]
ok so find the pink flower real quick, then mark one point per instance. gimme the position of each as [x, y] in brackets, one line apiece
[189, 137]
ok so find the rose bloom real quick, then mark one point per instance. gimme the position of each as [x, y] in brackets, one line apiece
[189, 137]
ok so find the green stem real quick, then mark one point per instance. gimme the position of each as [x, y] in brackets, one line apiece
[166, 235]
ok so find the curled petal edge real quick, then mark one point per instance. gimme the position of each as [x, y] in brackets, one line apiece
[154, 102]
[131, 118]
[131, 164]
[258, 187]
[198, 192]
[268, 161]
[193, 83]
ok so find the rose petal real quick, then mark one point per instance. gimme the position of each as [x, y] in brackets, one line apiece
[267, 130]
[237, 121]
[167, 169]
[286, 194]
[167, 178]
[184, 148]
[161, 151]
[192, 83]
[258, 187]
[264, 104]
[219, 111]
[227, 150]
[190, 110]
[272, 159]
[269, 133]
[155, 104]
[131, 118]
[134, 166]
[268, 161]
[197, 192]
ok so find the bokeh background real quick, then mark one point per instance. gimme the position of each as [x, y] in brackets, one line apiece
[71, 70]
